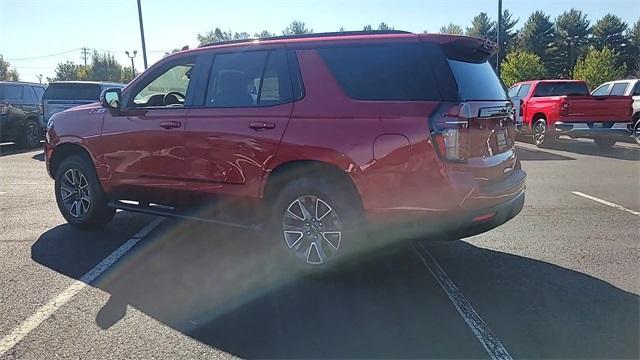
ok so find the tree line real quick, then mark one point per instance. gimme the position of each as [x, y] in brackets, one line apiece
[569, 46]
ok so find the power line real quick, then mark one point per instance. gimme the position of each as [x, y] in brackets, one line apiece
[44, 56]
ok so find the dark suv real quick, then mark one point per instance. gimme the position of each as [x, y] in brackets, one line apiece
[21, 112]
[316, 135]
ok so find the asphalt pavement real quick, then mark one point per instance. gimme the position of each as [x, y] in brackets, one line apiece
[561, 280]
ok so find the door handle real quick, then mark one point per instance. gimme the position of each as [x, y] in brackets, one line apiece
[261, 125]
[171, 124]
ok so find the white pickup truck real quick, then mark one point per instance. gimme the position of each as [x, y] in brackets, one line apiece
[628, 87]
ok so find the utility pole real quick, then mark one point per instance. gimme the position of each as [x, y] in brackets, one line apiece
[498, 31]
[144, 47]
[39, 76]
[133, 68]
[85, 53]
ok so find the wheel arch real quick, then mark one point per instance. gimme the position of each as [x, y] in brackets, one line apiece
[65, 150]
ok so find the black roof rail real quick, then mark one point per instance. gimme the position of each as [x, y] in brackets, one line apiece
[308, 36]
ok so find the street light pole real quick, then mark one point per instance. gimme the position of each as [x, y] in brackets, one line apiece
[133, 67]
[498, 31]
[144, 47]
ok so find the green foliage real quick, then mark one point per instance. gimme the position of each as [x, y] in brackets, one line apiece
[482, 27]
[452, 29]
[67, 71]
[127, 75]
[520, 66]
[598, 66]
[572, 31]
[6, 73]
[507, 33]
[633, 36]
[537, 35]
[218, 35]
[104, 67]
[367, 27]
[609, 32]
[264, 34]
[384, 27]
[296, 28]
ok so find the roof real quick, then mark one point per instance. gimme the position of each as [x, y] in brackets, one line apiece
[23, 83]
[87, 82]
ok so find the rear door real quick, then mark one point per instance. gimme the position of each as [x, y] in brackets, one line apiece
[236, 131]
[62, 96]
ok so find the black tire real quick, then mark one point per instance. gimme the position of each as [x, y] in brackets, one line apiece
[604, 143]
[540, 133]
[636, 129]
[319, 247]
[90, 202]
[31, 135]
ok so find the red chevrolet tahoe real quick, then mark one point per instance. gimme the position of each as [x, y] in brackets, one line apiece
[316, 135]
[550, 108]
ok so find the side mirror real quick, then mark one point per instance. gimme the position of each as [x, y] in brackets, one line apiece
[111, 99]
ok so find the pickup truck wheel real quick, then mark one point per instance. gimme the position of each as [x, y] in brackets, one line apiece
[79, 195]
[636, 130]
[31, 135]
[315, 223]
[604, 143]
[540, 133]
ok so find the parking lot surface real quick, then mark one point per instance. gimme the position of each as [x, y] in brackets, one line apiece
[561, 280]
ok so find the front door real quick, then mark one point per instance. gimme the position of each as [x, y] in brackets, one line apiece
[233, 136]
[144, 145]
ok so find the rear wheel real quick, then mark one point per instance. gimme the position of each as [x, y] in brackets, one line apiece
[79, 195]
[31, 135]
[314, 223]
[604, 143]
[540, 133]
[636, 130]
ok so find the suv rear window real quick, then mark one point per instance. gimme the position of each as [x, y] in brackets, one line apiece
[73, 92]
[383, 72]
[11, 92]
[559, 89]
[477, 81]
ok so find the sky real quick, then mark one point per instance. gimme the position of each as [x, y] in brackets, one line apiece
[35, 35]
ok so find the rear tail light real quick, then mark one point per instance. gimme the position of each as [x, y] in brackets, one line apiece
[4, 109]
[450, 134]
[564, 106]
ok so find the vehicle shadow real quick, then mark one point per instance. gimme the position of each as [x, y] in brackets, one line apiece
[626, 152]
[39, 157]
[7, 149]
[525, 154]
[221, 287]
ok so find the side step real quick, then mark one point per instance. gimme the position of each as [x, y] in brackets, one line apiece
[171, 212]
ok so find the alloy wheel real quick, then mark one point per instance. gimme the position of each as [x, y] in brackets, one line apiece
[636, 132]
[33, 135]
[312, 229]
[539, 132]
[74, 192]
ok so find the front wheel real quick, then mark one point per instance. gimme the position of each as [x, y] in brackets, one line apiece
[636, 131]
[314, 223]
[79, 195]
[604, 143]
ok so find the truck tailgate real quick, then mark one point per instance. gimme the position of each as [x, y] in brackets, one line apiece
[597, 108]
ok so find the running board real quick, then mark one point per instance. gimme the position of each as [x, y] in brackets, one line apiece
[168, 211]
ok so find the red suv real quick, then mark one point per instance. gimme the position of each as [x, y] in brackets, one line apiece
[323, 133]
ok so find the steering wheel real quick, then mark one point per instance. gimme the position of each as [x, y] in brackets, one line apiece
[176, 96]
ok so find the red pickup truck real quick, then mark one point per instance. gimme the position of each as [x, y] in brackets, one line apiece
[546, 109]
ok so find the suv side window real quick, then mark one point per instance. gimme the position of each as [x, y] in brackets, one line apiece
[39, 92]
[636, 91]
[513, 91]
[383, 72]
[168, 89]
[29, 95]
[11, 92]
[601, 90]
[524, 90]
[618, 89]
[249, 79]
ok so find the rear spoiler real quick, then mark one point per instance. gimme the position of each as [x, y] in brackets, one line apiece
[464, 48]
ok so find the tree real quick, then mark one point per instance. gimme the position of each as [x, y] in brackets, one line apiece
[610, 31]
[6, 73]
[218, 35]
[384, 27]
[522, 65]
[598, 66]
[367, 28]
[264, 34]
[633, 35]
[537, 36]
[482, 27]
[452, 29]
[104, 67]
[67, 71]
[572, 31]
[507, 33]
[127, 75]
[296, 28]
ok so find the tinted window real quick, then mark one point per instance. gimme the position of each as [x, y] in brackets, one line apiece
[11, 92]
[618, 89]
[477, 81]
[72, 91]
[39, 92]
[29, 95]
[513, 91]
[398, 72]
[559, 89]
[636, 91]
[524, 90]
[601, 90]
[249, 79]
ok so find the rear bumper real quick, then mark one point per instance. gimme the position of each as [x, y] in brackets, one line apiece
[591, 130]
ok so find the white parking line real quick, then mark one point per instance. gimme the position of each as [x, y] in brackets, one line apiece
[605, 202]
[489, 341]
[72, 290]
